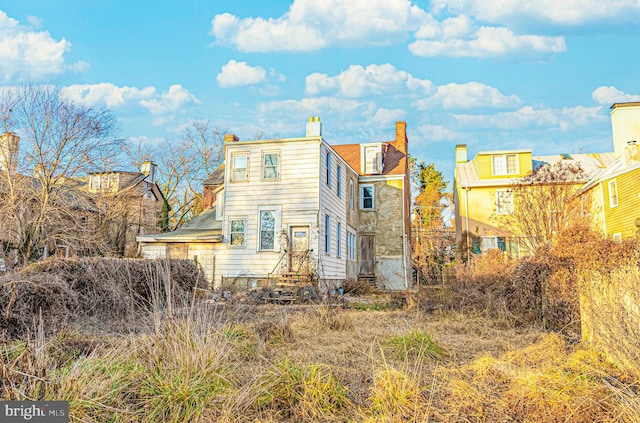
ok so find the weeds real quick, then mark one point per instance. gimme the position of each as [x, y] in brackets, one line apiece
[415, 344]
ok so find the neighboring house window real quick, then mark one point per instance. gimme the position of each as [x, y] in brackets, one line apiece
[366, 197]
[351, 245]
[339, 183]
[240, 168]
[327, 234]
[617, 237]
[95, 182]
[339, 243]
[328, 166]
[270, 166]
[351, 195]
[613, 194]
[267, 230]
[505, 164]
[504, 202]
[237, 232]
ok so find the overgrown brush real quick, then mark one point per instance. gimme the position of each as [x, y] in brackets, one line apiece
[114, 292]
[415, 344]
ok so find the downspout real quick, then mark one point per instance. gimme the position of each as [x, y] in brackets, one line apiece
[404, 244]
[466, 205]
[604, 214]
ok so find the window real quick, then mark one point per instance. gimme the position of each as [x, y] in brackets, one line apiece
[328, 166]
[372, 159]
[220, 205]
[617, 237]
[351, 245]
[339, 243]
[505, 164]
[504, 202]
[351, 195]
[339, 183]
[613, 194]
[237, 232]
[267, 230]
[270, 166]
[366, 197]
[239, 168]
[327, 234]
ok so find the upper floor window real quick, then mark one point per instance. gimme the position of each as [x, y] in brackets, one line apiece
[267, 230]
[366, 197]
[504, 202]
[270, 166]
[613, 194]
[237, 232]
[240, 167]
[372, 159]
[328, 168]
[351, 245]
[504, 164]
[339, 183]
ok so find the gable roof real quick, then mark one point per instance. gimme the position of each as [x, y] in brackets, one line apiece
[203, 227]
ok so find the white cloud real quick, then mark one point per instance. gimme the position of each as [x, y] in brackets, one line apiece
[170, 101]
[358, 81]
[467, 96]
[311, 25]
[485, 42]
[236, 74]
[530, 117]
[565, 12]
[609, 95]
[28, 54]
[437, 133]
[105, 93]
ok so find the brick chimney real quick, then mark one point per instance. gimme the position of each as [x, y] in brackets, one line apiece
[401, 137]
[230, 138]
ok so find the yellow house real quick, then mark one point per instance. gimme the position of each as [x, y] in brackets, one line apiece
[614, 194]
[483, 192]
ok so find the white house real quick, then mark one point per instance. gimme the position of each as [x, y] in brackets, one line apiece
[297, 206]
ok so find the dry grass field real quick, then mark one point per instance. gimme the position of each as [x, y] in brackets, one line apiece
[320, 363]
[129, 344]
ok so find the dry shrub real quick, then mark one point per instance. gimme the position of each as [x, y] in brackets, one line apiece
[546, 382]
[111, 292]
[358, 287]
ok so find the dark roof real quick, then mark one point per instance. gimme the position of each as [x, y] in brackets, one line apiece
[216, 177]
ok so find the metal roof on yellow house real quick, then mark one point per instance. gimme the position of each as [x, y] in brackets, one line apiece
[592, 164]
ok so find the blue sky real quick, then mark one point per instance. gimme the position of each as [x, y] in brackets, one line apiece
[492, 74]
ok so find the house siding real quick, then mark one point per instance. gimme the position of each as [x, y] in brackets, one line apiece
[621, 219]
[294, 194]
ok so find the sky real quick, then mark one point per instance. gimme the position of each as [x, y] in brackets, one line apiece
[491, 74]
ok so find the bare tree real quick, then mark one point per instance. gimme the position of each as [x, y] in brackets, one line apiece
[543, 203]
[59, 141]
[183, 166]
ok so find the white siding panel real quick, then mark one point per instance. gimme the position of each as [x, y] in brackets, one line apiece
[295, 193]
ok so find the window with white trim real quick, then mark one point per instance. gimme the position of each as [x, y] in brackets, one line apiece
[327, 163]
[327, 234]
[237, 231]
[617, 237]
[339, 242]
[339, 183]
[613, 194]
[267, 230]
[239, 167]
[351, 245]
[504, 164]
[270, 166]
[504, 202]
[366, 197]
